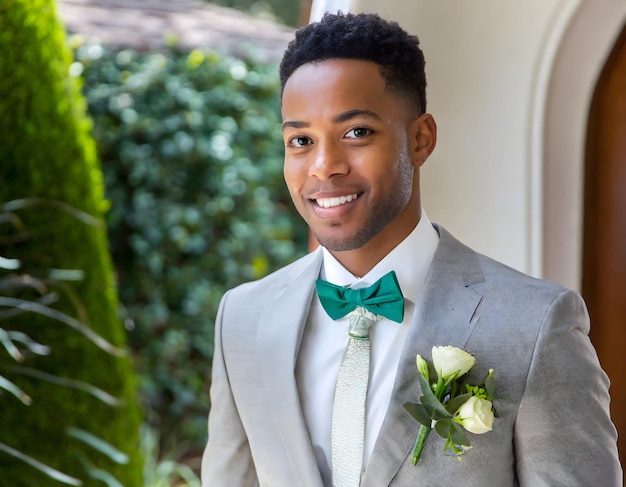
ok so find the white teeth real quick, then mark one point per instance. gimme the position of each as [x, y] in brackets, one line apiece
[331, 202]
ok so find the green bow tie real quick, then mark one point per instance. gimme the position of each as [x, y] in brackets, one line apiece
[383, 298]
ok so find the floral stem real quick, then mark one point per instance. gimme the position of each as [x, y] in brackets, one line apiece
[419, 443]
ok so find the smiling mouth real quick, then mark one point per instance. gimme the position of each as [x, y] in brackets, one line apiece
[336, 201]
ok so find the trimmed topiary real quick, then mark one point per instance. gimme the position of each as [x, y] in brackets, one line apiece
[47, 153]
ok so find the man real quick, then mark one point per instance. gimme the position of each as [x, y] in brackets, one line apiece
[356, 133]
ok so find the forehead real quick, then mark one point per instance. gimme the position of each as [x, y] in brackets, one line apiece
[336, 85]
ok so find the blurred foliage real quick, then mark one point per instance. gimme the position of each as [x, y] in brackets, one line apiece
[191, 148]
[47, 153]
[289, 12]
[164, 469]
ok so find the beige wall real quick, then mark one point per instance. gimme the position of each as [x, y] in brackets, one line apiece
[509, 84]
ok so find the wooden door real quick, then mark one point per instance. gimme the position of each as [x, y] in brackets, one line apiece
[604, 241]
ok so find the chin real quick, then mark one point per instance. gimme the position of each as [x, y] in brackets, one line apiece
[341, 243]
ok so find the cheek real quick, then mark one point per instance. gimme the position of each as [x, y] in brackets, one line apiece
[399, 178]
[292, 179]
[287, 172]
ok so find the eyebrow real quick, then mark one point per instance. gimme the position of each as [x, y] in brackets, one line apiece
[342, 117]
[350, 114]
[296, 124]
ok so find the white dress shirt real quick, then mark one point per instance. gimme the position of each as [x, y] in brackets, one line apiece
[324, 342]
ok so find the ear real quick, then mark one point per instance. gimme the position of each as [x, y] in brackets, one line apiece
[423, 137]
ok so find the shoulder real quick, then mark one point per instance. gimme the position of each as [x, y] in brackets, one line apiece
[510, 281]
[488, 276]
[242, 307]
[304, 266]
[509, 300]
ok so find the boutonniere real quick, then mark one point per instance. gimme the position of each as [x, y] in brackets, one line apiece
[450, 406]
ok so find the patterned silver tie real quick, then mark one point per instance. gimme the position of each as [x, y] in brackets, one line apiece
[348, 421]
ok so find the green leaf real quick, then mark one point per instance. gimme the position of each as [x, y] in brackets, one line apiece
[170, 468]
[64, 318]
[8, 337]
[104, 476]
[455, 403]
[431, 404]
[104, 396]
[443, 427]
[14, 282]
[490, 386]
[447, 428]
[19, 204]
[33, 346]
[419, 413]
[98, 444]
[158, 469]
[9, 386]
[42, 467]
[11, 349]
[99, 474]
[457, 434]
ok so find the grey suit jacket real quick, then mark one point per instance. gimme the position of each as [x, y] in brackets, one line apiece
[553, 426]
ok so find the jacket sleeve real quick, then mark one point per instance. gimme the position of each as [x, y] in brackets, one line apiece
[227, 461]
[563, 432]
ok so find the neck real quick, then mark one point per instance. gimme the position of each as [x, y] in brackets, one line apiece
[362, 260]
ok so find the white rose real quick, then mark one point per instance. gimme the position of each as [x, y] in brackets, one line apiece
[476, 415]
[449, 361]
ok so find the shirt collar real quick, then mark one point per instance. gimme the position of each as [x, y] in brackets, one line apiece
[410, 259]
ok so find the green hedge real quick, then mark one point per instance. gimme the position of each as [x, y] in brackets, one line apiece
[191, 148]
[47, 152]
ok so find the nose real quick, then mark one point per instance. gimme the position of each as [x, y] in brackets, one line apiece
[328, 161]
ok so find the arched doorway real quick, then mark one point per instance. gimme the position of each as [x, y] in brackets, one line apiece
[604, 236]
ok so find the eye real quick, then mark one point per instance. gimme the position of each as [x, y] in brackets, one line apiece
[358, 132]
[298, 141]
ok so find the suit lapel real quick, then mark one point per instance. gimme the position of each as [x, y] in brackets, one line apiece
[444, 315]
[280, 332]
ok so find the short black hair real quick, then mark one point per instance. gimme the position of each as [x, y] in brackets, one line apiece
[365, 37]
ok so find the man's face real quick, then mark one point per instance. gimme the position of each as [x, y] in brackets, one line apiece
[350, 147]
